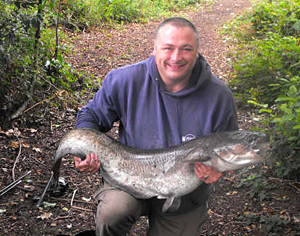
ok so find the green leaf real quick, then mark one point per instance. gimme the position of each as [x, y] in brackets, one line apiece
[293, 89]
[293, 138]
[284, 99]
[296, 127]
[277, 120]
[296, 26]
[265, 110]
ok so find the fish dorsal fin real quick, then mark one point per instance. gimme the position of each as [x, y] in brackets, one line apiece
[171, 204]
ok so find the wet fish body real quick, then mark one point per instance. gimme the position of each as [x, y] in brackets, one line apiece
[163, 173]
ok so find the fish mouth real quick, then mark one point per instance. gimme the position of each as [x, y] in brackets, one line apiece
[262, 148]
[264, 151]
[239, 156]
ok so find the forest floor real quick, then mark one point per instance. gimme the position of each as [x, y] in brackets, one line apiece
[30, 145]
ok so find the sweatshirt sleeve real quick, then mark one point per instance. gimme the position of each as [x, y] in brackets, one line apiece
[232, 122]
[225, 113]
[100, 112]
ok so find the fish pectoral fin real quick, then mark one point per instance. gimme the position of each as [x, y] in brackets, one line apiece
[171, 204]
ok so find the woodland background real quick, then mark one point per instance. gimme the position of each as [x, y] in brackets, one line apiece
[39, 78]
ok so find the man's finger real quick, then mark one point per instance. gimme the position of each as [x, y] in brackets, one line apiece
[206, 173]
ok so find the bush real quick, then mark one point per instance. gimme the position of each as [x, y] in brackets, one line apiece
[277, 16]
[32, 68]
[285, 130]
[268, 61]
[266, 64]
[83, 13]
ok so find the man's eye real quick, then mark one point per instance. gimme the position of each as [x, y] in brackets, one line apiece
[187, 49]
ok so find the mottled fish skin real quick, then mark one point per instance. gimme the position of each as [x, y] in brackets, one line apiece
[163, 173]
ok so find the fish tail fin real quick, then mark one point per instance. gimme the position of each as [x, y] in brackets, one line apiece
[171, 204]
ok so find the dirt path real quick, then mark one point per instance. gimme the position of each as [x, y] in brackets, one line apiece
[98, 52]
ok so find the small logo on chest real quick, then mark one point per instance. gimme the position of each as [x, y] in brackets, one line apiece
[187, 137]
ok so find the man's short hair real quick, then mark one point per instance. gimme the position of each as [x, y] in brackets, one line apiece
[178, 22]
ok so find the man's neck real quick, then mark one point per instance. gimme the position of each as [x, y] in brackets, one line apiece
[176, 87]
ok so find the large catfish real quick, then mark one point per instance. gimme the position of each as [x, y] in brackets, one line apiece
[163, 173]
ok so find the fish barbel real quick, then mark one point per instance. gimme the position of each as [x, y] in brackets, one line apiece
[166, 173]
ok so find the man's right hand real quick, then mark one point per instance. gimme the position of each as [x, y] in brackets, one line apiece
[90, 164]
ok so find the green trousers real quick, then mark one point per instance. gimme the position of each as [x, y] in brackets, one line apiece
[117, 211]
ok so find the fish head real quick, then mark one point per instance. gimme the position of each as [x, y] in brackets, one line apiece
[239, 149]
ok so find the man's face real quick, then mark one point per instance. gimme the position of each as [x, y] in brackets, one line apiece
[175, 52]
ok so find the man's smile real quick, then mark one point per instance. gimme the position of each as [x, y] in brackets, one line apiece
[176, 67]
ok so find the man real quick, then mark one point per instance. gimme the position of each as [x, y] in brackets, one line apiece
[169, 98]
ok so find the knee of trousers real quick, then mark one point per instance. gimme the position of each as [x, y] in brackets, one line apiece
[116, 209]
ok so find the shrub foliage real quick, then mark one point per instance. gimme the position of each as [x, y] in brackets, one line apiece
[266, 62]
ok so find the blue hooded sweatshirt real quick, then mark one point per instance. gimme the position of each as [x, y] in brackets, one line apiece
[151, 117]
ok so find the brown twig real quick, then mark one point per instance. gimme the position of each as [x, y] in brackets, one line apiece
[56, 30]
[290, 182]
[283, 180]
[298, 190]
[82, 209]
[17, 158]
[62, 217]
[73, 196]
[67, 200]
[33, 106]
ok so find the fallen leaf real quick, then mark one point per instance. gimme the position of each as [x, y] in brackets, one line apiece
[232, 193]
[296, 219]
[30, 187]
[48, 204]
[14, 144]
[210, 212]
[2, 211]
[36, 149]
[45, 216]
[86, 199]
[25, 145]
[28, 180]
[9, 132]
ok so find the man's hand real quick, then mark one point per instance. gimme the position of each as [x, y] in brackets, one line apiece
[206, 173]
[90, 164]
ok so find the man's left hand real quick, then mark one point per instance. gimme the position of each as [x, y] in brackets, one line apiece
[206, 173]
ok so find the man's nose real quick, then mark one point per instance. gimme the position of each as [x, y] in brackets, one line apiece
[175, 55]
